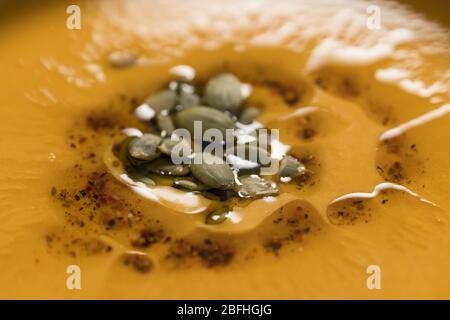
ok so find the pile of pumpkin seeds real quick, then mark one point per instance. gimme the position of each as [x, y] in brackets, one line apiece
[219, 104]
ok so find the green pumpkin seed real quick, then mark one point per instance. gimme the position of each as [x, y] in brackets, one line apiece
[249, 115]
[213, 172]
[224, 92]
[211, 196]
[290, 168]
[189, 184]
[218, 216]
[188, 99]
[167, 146]
[250, 152]
[164, 100]
[210, 119]
[145, 147]
[135, 165]
[219, 195]
[254, 186]
[181, 85]
[165, 123]
[164, 166]
[212, 178]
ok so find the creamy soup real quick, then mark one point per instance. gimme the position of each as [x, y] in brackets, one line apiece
[358, 92]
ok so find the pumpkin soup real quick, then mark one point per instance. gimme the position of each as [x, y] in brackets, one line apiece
[224, 150]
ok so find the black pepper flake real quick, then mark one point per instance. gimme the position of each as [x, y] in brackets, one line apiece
[111, 223]
[147, 237]
[308, 133]
[273, 246]
[139, 262]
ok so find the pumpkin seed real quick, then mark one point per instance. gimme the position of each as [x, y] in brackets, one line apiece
[219, 195]
[185, 94]
[145, 147]
[168, 144]
[211, 177]
[164, 166]
[189, 184]
[290, 168]
[211, 196]
[249, 115]
[224, 92]
[165, 123]
[210, 119]
[164, 100]
[188, 99]
[181, 85]
[134, 165]
[218, 216]
[130, 164]
[213, 172]
[254, 186]
[250, 152]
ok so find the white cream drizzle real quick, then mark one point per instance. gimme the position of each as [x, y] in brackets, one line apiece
[249, 128]
[436, 100]
[245, 132]
[144, 112]
[418, 87]
[269, 199]
[234, 217]
[401, 78]
[331, 51]
[132, 132]
[391, 75]
[427, 117]
[183, 71]
[246, 90]
[190, 202]
[300, 112]
[278, 149]
[239, 163]
[285, 179]
[378, 189]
